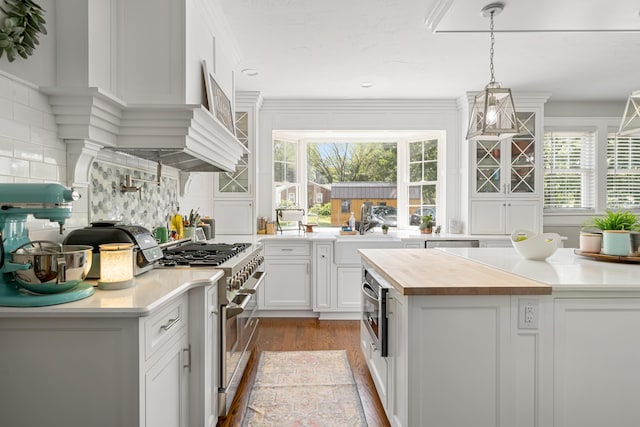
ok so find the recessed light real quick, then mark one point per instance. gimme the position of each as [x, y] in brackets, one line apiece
[250, 72]
[366, 84]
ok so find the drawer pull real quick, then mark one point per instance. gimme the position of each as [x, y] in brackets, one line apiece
[170, 324]
[286, 249]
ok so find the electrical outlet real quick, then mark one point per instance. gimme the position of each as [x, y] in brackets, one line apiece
[527, 313]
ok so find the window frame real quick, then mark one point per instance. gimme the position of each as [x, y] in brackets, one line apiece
[588, 174]
[402, 147]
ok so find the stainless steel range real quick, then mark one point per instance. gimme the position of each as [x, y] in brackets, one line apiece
[243, 274]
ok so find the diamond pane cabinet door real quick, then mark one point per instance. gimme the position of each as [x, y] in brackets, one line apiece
[523, 154]
[237, 182]
[488, 166]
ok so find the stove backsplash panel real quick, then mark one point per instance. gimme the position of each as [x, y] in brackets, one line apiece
[150, 208]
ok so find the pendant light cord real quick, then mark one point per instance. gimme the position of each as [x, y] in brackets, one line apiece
[493, 41]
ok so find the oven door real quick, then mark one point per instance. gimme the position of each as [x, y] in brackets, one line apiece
[374, 314]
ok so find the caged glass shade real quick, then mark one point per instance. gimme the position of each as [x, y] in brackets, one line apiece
[630, 124]
[493, 115]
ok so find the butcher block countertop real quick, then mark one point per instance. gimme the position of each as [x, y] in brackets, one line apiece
[434, 272]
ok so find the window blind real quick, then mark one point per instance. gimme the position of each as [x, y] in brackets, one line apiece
[569, 170]
[623, 172]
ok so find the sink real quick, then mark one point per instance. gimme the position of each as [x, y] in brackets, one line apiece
[346, 247]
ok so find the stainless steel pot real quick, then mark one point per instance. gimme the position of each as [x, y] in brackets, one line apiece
[52, 268]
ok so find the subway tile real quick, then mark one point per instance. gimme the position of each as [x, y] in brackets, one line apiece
[44, 171]
[27, 115]
[54, 156]
[45, 137]
[14, 167]
[14, 91]
[6, 179]
[6, 147]
[49, 122]
[21, 180]
[6, 108]
[29, 152]
[39, 101]
[12, 129]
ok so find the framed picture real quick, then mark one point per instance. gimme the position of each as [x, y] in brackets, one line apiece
[219, 103]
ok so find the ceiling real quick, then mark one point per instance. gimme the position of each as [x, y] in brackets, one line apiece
[577, 50]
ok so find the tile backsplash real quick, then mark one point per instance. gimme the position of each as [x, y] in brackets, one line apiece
[150, 207]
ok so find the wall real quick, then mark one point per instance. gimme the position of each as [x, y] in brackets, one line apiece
[30, 151]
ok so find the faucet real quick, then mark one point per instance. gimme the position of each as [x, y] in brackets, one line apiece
[365, 215]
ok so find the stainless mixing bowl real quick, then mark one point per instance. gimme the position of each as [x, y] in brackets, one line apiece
[52, 268]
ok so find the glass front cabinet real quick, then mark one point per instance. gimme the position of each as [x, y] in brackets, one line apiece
[506, 179]
[508, 167]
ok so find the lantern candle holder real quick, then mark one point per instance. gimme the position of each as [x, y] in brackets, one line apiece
[116, 266]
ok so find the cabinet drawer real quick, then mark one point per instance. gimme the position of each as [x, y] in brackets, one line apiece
[295, 249]
[163, 325]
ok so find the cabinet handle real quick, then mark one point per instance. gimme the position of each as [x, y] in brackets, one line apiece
[508, 204]
[504, 204]
[188, 351]
[373, 346]
[170, 324]
[286, 249]
[214, 310]
[323, 256]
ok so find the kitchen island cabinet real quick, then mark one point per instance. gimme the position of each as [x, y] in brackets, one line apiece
[559, 349]
[131, 357]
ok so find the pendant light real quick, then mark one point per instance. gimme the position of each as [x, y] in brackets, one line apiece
[493, 115]
[630, 124]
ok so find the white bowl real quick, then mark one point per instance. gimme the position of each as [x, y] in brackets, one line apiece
[535, 246]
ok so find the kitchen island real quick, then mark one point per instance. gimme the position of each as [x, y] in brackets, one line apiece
[559, 349]
[142, 356]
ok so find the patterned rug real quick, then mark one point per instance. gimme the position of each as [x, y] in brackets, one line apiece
[304, 389]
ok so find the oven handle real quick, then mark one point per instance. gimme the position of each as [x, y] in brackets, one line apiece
[370, 292]
[234, 309]
[252, 284]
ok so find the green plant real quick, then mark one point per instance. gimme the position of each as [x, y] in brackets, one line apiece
[618, 220]
[385, 226]
[427, 222]
[23, 23]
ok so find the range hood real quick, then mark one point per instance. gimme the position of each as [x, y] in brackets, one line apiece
[186, 137]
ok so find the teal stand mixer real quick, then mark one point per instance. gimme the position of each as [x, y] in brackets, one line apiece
[17, 202]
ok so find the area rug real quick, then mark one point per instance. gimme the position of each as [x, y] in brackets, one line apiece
[304, 389]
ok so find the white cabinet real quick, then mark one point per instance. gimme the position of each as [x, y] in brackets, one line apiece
[504, 216]
[233, 216]
[323, 282]
[113, 369]
[348, 287]
[287, 284]
[234, 201]
[506, 179]
[596, 353]
[203, 333]
[165, 384]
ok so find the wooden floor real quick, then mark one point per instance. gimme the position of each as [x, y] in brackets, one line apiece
[311, 334]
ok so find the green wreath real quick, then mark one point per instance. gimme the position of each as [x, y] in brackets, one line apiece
[23, 23]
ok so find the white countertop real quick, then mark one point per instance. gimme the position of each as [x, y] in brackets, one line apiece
[151, 290]
[331, 233]
[563, 271]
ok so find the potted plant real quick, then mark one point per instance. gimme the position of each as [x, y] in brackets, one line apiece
[616, 231]
[426, 225]
[385, 228]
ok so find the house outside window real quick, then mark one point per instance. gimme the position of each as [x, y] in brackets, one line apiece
[345, 206]
[569, 170]
[623, 172]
